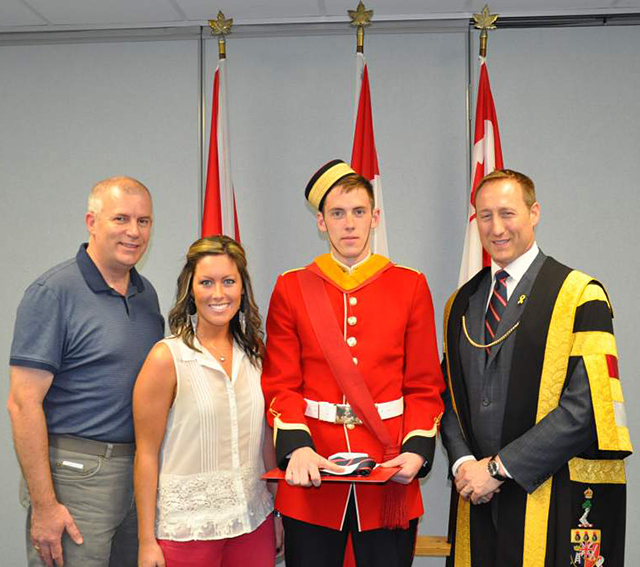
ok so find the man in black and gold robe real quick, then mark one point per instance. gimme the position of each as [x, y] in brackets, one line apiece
[534, 420]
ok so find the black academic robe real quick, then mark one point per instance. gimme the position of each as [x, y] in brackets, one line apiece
[567, 319]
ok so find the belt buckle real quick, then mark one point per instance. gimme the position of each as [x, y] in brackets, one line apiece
[346, 416]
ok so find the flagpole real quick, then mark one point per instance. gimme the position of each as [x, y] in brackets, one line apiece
[202, 125]
[484, 21]
[219, 211]
[360, 18]
[486, 152]
[364, 157]
[469, 104]
[221, 27]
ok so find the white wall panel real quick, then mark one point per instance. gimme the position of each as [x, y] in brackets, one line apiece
[72, 115]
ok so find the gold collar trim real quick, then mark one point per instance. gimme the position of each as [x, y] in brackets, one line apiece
[357, 276]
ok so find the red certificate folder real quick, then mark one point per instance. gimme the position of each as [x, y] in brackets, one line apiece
[378, 475]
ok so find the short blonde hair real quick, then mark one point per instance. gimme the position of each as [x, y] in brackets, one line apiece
[525, 183]
[126, 184]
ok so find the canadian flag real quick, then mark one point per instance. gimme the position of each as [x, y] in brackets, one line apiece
[219, 215]
[364, 158]
[486, 157]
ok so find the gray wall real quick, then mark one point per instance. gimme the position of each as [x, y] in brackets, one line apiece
[72, 113]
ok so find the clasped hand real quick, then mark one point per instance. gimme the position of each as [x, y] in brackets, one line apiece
[473, 482]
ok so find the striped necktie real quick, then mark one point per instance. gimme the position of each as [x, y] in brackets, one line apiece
[497, 305]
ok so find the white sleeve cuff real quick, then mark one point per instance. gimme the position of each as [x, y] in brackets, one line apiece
[504, 468]
[454, 468]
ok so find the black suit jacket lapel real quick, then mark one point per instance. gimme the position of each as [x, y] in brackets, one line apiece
[476, 313]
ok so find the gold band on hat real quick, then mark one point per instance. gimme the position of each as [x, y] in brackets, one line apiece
[323, 184]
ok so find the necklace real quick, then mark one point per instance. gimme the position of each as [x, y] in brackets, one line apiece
[221, 357]
[491, 344]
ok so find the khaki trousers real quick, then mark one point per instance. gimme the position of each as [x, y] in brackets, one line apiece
[98, 492]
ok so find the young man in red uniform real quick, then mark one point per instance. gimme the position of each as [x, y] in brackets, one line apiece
[351, 365]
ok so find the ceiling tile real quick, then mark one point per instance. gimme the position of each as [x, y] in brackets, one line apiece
[250, 9]
[101, 12]
[404, 7]
[138, 13]
[453, 7]
[524, 7]
[16, 13]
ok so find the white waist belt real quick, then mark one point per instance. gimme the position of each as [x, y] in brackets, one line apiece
[343, 413]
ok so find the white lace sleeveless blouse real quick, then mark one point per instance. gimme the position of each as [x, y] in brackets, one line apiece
[209, 484]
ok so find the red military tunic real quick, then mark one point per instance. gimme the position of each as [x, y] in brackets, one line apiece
[386, 312]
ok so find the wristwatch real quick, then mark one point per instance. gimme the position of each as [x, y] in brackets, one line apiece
[494, 470]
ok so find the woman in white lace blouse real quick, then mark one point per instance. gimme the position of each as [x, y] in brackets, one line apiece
[201, 437]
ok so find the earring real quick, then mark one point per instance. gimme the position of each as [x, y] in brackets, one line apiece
[191, 314]
[242, 318]
[243, 303]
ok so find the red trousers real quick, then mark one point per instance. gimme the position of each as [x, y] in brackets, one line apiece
[255, 549]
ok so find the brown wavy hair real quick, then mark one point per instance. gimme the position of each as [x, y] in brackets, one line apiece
[252, 339]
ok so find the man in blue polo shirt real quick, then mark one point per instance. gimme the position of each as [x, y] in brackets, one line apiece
[83, 330]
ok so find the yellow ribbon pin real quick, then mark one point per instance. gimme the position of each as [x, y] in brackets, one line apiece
[521, 299]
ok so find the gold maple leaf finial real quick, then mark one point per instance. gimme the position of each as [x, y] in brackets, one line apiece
[360, 17]
[485, 20]
[221, 26]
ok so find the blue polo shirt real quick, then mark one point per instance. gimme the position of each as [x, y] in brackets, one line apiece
[93, 340]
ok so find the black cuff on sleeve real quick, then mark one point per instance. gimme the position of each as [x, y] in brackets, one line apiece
[423, 446]
[289, 440]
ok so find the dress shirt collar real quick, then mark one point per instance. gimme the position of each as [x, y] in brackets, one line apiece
[516, 269]
[519, 266]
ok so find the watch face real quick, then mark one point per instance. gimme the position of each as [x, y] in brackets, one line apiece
[494, 471]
